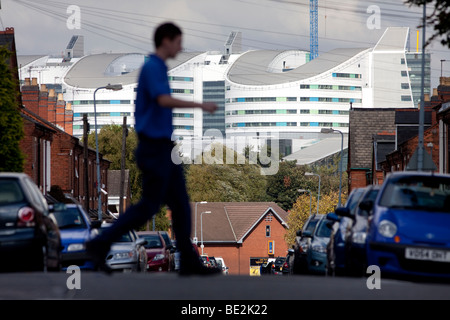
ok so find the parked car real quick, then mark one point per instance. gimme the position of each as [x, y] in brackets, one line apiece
[316, 254]
[213, 262]
[336, 244]
[76, 229]
[288, 263]
[158, 254]
[409, 229]
[177, 254]
[353, 235]
[266, 268]
[221, 264]
[302, 243]
[30, 239]
[127, 254]
[277, 266]
[171, 248]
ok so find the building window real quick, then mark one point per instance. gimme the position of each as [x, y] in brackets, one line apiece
[406, 98]
[405, 85]
[268, 231]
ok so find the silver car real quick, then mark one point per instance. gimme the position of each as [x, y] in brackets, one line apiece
[128, 253]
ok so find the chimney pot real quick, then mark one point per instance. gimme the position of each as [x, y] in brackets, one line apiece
[34, 82]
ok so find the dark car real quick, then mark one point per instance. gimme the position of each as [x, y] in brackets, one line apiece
[76, 229]
[29, 235]
[409, 227]
[157, 252]
[277, 266]
[302, 243]
[288, 263]
[316, 254]
[355, 233]
[336, 244]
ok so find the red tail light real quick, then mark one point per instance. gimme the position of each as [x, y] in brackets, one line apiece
[285, 265]
[25, 217]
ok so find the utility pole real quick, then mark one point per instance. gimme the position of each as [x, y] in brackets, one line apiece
[420, 150]
[86, 162]
[122, 164]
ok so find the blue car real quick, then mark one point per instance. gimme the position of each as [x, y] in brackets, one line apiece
[409, 231]
[336, 247]
[76, 228]
[316, 256]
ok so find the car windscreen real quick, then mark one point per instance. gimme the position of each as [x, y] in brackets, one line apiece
[153, 241]
[10, 191]
[323, 229]
[68, 218]
[425, 193]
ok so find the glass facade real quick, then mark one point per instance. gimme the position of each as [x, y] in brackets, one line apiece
[414, 63]
[214, 91]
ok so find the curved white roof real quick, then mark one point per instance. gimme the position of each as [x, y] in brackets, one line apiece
[252, 67]
[97, 70]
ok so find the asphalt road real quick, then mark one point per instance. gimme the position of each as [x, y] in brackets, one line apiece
[171, 286]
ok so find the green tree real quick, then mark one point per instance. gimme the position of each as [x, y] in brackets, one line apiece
[216, 178]
[11, 122]
[438, 19]
[110, 146]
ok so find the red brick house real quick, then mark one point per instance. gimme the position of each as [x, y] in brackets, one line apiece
[239, 231]
[53, 157]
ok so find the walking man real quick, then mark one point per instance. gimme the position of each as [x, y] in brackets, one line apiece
[163, 181]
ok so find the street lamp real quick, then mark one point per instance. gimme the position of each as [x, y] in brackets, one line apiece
[114, 87]
[331, 130]
[201, 228]
[318, 195]
[310, 197]
[195, 235]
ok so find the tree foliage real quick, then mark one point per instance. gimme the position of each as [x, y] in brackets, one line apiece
[11, 122]
[301, 211]
[438, 19]
[216, 178]
[110, 146]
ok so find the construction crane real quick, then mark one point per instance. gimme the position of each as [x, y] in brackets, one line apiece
[313, 29]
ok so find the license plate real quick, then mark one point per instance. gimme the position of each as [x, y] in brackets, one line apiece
[427, 254]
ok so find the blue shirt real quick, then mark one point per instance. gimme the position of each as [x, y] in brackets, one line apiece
[151, 119]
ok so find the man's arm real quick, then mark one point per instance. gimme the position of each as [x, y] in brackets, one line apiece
[168, 101]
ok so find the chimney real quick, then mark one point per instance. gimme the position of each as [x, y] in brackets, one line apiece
[30, 95]
[51, 106]
[68, 119]
[60, 111]
[43, 103]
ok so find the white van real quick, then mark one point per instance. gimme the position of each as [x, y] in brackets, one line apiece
[221, 263]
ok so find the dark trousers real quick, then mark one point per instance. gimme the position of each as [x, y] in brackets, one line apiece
[163, 183]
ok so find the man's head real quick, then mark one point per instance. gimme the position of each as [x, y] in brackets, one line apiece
[167, 37]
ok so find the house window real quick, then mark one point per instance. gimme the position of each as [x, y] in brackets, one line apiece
[267, 231]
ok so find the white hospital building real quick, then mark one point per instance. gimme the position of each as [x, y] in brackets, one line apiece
[259, 92]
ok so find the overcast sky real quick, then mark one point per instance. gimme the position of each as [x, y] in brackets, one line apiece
[46, 26]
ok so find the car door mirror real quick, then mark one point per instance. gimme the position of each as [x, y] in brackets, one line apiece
[141, 242]
[366, 205]
[333, 217]
[96, 224]
[299, 233]
[344, 212]
[307, 234]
